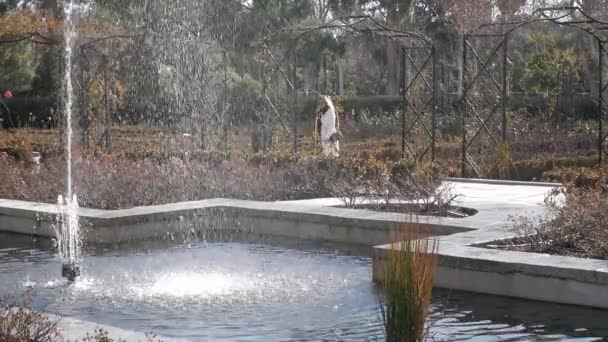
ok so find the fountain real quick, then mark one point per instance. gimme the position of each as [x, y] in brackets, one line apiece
[67, 228]
[68, 236]
[216, 287]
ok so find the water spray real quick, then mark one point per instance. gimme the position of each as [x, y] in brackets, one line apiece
[68, 228]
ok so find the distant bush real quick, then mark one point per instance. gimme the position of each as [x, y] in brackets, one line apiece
[583, 177]
[534, 169]
[583, 105]
[37, 112]
[376, 105]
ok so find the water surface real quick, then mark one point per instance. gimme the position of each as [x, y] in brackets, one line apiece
[261, 291]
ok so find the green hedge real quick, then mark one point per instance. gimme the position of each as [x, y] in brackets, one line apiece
[376, 105]
[526, 170]
[584, 105]
[28, 111]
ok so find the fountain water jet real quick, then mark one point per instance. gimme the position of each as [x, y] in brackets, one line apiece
[67, 227]
[68, 236]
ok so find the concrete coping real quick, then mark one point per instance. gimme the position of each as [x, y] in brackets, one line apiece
[501, 182]
[497, 261]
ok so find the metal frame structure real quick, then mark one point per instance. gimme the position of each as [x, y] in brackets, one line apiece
[411, 44]
[87, 45]
[483, 75]
[89, 51]
[416, 108]
[33, 37]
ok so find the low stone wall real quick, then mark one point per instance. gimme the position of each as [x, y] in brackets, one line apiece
[181, 220]
[555, 279]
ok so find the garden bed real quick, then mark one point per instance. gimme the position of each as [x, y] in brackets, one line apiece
[575, 226]
[523, 244]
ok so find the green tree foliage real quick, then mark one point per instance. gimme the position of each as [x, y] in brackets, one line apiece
[46, 81]
[16, 69]
[542, 69]
[544, 55]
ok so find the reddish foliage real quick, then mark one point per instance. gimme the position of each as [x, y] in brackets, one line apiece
[111, 181]
[578, 227]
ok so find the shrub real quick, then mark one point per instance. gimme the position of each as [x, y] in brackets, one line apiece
[100, 335]
[584, 177]
[576, 226]
[350, 179]
[21, 324]
[422, 182]
[408, 284]
[111, 181]
[16, 144]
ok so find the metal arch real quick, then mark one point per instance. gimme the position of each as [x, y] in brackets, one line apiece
[88, 45]
[365, 24]
[563, 16]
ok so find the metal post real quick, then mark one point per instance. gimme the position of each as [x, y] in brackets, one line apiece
[224, 100]
[434, 104]
[108, 117]
[404, 102]
[294, 107]
[505, 87]
[463, 166]
[60, 108]
[600, 104]
[83, 105]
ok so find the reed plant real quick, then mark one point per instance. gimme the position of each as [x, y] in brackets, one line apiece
[405, 298]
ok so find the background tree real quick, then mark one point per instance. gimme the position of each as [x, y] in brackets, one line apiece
[17, 66]
[46, 80]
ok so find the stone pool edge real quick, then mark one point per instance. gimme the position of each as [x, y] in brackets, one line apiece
[463, 266]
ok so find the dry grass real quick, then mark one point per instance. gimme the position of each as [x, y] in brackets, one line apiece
[409, 276]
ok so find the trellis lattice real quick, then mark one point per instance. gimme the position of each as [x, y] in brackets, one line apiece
[484, 99]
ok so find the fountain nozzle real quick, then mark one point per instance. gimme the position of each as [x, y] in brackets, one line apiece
[70, 271]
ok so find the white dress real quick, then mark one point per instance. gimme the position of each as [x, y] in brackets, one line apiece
[329, 129]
